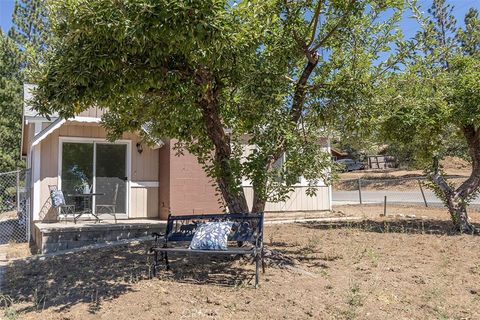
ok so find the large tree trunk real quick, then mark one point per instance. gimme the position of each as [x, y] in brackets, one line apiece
[227, 182]
[456, 200]
[455, 203]
[458, 213]
[258, 203]
[235, 201]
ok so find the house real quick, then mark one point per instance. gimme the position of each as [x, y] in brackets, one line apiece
[143, 182]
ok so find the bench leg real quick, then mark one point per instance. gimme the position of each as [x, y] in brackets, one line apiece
[154, 265]
[166, 262]
[263, 262]
[257, 270]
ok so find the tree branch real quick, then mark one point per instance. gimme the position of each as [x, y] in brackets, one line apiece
[299, 95]
[301, 89]
[343, 19]
[296, 36]
[315, 19]
[439, 181]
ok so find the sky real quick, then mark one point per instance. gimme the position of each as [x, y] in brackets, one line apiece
[409, 26]
[461, 7]
[6, 10]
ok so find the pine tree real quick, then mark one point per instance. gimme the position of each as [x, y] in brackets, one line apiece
[21, 52]
[469, 38]
[10, 104]
[444, 21]
[443, 26]
[30, 33]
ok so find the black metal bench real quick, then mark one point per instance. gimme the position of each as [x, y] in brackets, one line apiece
[247, 233]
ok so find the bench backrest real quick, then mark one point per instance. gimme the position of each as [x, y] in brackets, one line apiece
[245, 227]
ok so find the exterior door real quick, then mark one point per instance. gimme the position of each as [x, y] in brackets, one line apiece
[111, 178]
[77, 170]
[96, 167]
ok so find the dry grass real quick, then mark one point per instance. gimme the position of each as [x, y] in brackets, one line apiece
[452, 166]
[380, 268]
[399, 179]
[15, 250]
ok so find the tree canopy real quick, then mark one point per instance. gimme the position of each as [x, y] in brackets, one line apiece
[435, 101]
[217, 75]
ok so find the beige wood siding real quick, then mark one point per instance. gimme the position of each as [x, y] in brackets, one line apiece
[93, 112]
[144, 167]
[144, 202]
[298, 200]
[26, 138]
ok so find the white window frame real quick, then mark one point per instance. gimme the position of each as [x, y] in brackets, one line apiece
[94, 141]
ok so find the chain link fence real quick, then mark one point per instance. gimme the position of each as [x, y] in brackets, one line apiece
[15, 206]
[406, 190]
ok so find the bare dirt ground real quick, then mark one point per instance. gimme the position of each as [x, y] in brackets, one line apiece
[15, 250]
[451, 165]
[397, 211]
[399, 179]
[8, 215]
[378, 268]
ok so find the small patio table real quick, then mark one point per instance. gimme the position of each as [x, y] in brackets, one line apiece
[84, 202]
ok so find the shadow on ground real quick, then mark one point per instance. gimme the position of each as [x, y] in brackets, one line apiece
[406, 226]
[95, 276]
[222, 270]
[12, 230]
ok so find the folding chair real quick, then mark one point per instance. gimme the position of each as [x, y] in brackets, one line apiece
[110, 209]
[58, 202]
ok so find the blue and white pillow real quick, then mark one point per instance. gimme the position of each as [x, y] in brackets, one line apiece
[57, 198]
[211, 236]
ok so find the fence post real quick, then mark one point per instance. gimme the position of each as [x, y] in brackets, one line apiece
[17, 187]
[423, 193]
[28, 196]
[385, 206]
[360, 190]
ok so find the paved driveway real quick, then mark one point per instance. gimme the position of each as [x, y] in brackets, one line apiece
[351, 197]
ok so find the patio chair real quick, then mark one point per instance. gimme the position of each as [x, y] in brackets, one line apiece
[110, 209]
[58, 202]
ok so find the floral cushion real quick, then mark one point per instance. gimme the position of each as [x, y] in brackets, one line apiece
[57, 198]
[211, 236]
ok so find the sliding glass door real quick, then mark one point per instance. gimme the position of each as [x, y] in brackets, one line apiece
[111, 178]
[77, 170]
[99, 168]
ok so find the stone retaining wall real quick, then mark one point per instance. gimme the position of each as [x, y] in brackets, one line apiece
[52, 239]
